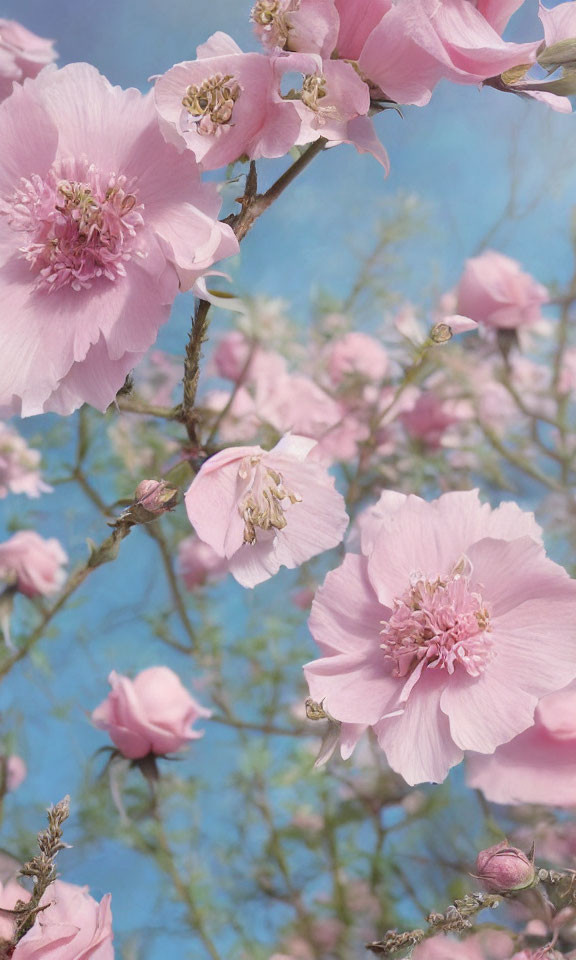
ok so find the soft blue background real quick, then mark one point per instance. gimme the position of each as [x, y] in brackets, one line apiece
[454, 155]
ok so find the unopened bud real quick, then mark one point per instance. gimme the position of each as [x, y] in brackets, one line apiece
[504, 869]
[151, 498]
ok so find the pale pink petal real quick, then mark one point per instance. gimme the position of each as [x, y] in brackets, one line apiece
[418, 744]
[345, 615]
[354, 688]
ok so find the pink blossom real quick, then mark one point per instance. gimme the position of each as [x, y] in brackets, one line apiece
[22, 54]
[494, 291]
[73, 927]
[443, 634]
[198, 563]
[35, 566]
[539, 765]
[428, 419]
[235, 358]
[100, 222]
[19, 465]
[419, 42]
[334, 103]
[226, 104]
[15, 772]
[356, 355]
[308, 26]
[153, 713]
[266, 509]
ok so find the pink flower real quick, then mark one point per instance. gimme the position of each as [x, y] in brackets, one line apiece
[19, 465]
[356, 356]
[22, 54]
[443, 633]
[35, 566]
[334, 104]
[235, 357]
[153, 713]
[73, 927]
[419, 42]
[100, 222]
[428, 419]
[198, 563]
[226, 104]
[494, 291]
[539, 765]
[15, 772]
[307, 26]
[266, 509]
[504, 869]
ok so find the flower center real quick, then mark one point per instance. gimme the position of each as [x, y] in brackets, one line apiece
[263, 504]
[271, 21]
[438, 623]
[77, 228]
[313, 90]
[211, 103]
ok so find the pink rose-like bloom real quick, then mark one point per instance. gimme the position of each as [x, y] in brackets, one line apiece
[504, 869]
[306, 26]
[101, 221]
[22, 54]
[198, 563]
[356, 355]
[153, 713]
[73, 927]
[34, 565]
[539, 765]
[266, 509]
[226, 104]
[494, 291]
[419, 42]
[19, 465]
[15, 772]
[443, 634]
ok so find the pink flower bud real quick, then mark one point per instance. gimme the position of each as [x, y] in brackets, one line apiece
[151, 714]
[156, 496]
[502, 868]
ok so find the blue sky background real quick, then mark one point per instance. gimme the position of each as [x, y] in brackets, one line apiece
[454, 155]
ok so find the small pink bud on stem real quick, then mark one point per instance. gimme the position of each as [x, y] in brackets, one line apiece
[504, 869]
[151, 499]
